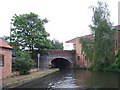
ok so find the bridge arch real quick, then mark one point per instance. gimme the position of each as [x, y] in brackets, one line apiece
[60, 63]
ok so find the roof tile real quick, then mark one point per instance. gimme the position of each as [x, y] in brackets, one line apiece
[3, 44]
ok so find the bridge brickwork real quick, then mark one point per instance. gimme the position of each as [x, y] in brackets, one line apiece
[54, 54]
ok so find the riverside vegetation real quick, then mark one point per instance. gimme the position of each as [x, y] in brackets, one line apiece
[100, 51]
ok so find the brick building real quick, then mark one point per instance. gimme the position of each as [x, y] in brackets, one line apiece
[117, 37]
[80, 56]
[5, 59]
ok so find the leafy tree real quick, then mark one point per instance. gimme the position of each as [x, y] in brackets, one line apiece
[28, 32]
[117, 61]
[55, 44]
[23, 63]
[87, 48]
[103, 35]
[101, 52]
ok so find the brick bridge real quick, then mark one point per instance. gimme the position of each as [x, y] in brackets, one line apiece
[58, 59]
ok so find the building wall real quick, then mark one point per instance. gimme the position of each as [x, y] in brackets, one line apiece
[82, 62]
[80, 57]
[118, 42]
[7, 68]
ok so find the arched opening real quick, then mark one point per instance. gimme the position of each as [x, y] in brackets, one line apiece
[60, 63]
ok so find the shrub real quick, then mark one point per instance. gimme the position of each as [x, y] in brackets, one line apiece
[115, 67]
[23, 62]
[97, 66]
[117, 61]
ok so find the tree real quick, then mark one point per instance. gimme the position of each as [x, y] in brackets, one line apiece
[102, 52]
[87, 48]
[117, 61]
[28, 32]
[23, 63]
[103, 35]
[55, 44]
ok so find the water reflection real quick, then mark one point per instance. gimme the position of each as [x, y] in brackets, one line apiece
[71, 78]
[91, 79]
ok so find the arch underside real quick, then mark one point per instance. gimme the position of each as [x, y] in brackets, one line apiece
[60, 63]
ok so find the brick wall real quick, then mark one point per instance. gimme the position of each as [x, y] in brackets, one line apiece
[118, 39]
[80, 58]
[6, 70]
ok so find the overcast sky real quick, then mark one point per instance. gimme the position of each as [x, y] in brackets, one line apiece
[67, 18]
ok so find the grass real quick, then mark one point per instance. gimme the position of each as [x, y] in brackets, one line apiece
[14, 75]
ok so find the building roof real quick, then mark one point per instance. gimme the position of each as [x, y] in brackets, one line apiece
[118, 26]
[3, 44]
[72, 40]
[90, 36]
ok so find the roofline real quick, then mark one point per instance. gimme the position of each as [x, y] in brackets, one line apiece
[77, 37]
[71, 39]
[86, 35]
[5, 47]
[4, 44]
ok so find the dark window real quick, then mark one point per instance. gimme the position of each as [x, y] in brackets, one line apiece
[1, 60]
[78, 57]
[85, 58]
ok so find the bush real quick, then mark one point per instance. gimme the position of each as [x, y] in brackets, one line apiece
[103, 66]
[117, 61]
[23, 62]
[97, 66]
[115, 67]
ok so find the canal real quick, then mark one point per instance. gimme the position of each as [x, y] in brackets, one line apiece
[76, 78]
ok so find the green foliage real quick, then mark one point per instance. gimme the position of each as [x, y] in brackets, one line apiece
[116, 65]
[117, 61]
[23, 62]
[15, 75]
[28, 32]
[55, 44]
[100, 51]
[103, 36]
[87, 48]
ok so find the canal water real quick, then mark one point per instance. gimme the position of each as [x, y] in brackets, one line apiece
[76, 78]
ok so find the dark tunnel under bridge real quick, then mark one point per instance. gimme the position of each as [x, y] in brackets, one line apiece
[60, 63]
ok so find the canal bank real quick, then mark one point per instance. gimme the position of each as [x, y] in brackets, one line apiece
[13, 82]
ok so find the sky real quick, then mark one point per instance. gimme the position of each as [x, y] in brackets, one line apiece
[67, 18]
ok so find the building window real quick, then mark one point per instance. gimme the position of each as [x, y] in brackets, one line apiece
[85, 57]
[78, 57]
[1, 60]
